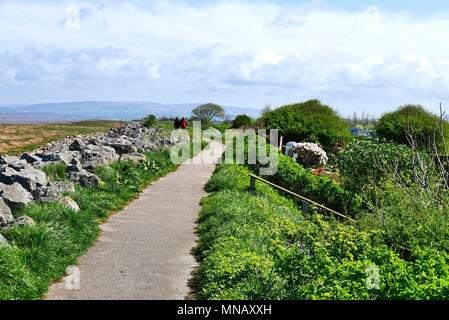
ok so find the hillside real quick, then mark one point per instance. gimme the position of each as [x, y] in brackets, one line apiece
[88, 110]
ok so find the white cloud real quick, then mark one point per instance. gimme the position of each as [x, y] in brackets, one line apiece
[267, 57]
[237, 53]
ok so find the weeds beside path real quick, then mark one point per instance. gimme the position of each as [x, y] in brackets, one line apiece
[39, 254]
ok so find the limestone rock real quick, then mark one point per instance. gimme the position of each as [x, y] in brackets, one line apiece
[24, 221]
[69, 202]
[5, 159]
[15, 196]
[30, 158]
[4, 242]
[30, 178]
[5, 213]
[135, 157]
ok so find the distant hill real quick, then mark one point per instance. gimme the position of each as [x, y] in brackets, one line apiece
[89, 110]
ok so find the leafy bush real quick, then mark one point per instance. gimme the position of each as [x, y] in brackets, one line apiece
[257, 245]
[150, 121]
[393, 125]
[242, 121]
[405, 223]
[364, 163]
[309, 121]
[296, 178]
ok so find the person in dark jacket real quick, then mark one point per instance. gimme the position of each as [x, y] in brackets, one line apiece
[177, 123]
[183, 123]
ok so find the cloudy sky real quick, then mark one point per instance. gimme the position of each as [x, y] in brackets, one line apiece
[350, 54]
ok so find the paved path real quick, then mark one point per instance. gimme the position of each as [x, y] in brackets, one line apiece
[144, 251]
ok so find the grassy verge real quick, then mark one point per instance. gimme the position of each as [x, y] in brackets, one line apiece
[41, 253]
[259, 245]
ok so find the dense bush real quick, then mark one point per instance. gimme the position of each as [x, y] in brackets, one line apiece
[242, 121]
[364, 163]
[150, 121]
[405, 223]
[309, 121]
[393, 125]
[257, 245]
[298, 179]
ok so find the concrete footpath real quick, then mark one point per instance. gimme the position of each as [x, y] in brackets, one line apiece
[144, 251]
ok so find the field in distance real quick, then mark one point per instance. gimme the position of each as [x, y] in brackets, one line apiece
[18, 138]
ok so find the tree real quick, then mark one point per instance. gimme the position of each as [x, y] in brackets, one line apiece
[309, 121]
[412, 120]
[150, 121]
[242, 121]
[207, 112]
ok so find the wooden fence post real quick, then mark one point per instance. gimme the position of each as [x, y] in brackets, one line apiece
[252, 183]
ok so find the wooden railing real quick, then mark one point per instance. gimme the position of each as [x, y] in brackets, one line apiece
[253, 179]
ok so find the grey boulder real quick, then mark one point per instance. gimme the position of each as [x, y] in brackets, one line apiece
[121, 145]
[30, 178]
[4, 242]
[15, 196]
[30, 158]
[5, 213]
[52, 191]
[6, 174]
[135, 157]
[94, 156]
[24, 221]
[70, 203]
[77, 174]
[5, 159]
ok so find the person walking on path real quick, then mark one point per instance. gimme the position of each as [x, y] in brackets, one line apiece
[183, 123]
[177, 123]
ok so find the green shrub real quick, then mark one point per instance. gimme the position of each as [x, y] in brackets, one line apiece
[296, 178]
[364, 163]
[405, 223]
[309, 121]
[150, 121]
[393, 126]
[256, 245]
[242, 121]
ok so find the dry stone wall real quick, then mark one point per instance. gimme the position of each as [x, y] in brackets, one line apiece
[22, 181]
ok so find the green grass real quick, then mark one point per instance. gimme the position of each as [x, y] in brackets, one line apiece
[41, 253]
[254, 244]
[55, 172]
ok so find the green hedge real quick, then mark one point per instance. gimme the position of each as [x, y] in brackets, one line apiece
[294, 177]
[309, 121]
[242, 121]
[393, 126]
